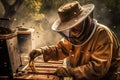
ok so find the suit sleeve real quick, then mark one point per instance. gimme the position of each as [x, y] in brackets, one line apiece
[56, 52]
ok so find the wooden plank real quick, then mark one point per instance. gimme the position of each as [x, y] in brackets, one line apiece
[44, 70]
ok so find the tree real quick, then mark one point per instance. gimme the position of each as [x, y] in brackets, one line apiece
[10, 11]
[28, 12]
[17, 10]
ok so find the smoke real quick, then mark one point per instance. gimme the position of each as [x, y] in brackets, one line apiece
[47, 36]
[43, 35]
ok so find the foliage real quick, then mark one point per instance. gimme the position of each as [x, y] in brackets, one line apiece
[33, 6]
[28, 12]
[52, 4]
[30, 8]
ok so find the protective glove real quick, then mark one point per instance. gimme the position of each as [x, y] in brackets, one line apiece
[63, 72]
[34, 53]
[32, 65]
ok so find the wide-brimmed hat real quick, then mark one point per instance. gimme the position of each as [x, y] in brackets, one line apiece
[70, 15]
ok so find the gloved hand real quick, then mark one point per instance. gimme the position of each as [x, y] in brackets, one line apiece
[63, 72]
[34, 53]
[32, 65]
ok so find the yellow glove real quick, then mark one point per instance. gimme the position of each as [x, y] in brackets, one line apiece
[33, 54]
[32, 65]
